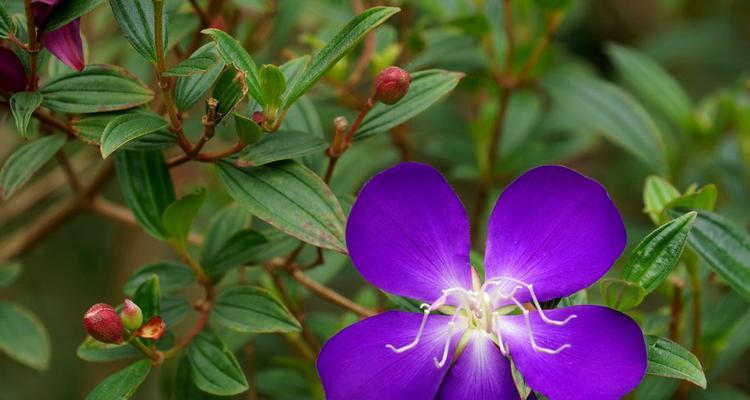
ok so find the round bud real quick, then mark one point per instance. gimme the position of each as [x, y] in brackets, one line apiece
[258, 117]
[391, 85]
[131, 315]
[103, 323]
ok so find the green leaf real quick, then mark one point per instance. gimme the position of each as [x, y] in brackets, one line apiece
[620, 294]
[7, 27]
[136, 20]
[25, 161]
[179, 216]
[90, 127]
[23, 337]
[703, 199]
[426, 88]
[234, 54]
[93, 350]
[146, 186]
[148, 297]
[726, 248]
[184, 388]
[290, 197]
[67, 11]
[253, 310]
[669, 359]
[190, 89]
[342, 43]
[652, 83]
[248, 132]
[172, 275]
[227, 222]
[174, 309]
[658, 253]
[199, 62]
[127, 128]
[603, 108]
[657, 193]
[122, 384]
[9, 273]
[237, 250]
[281, 145]
[97, 88]
[273, 84]
[229, 89]
[23, 105]
[214, 368]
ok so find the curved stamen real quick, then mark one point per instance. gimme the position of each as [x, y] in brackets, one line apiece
[535, 346]
[496, 329]
[534, 298]
[446, 347]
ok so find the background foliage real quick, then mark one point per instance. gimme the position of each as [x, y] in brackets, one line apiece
[650, 97]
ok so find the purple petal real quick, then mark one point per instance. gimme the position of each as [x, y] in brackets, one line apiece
[556, 229]
[479, 373]
[355, 364]
[65, 44]
[12, 74]
[408, 233]
[41, 9]
[606, 358]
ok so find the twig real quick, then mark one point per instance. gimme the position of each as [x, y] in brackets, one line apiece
[33, 47]
[329, 294]
[551, 26]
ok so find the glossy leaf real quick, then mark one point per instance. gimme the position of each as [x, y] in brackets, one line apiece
[136, 20]
[657, 193]
[234, 54]
[179, 216]
[290, 197]
[199, 62]
[342, 43]
[669, 359]
[236, 250]
[603, 108]
[652, 83]
[97, 88]
[91, 126]
[190, 89]
[702, 199]
[128, 128]
[122, 384]
[253, 310]
[658, 253]
[185, 389]
[172, 275]
[9, 272]
[23, 337]
[146, 186]
[426, 88]
[620, 294]
[148, 297]
[25, 161]
[174, 309]
[93, 350]
[281, 145]
[227, 222]
[67, 11]
[23, 105]
[7, 26]
[214, 368]
[247, 130]
[229, 89]
[726, 248]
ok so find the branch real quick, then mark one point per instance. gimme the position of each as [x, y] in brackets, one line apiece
[329, 294]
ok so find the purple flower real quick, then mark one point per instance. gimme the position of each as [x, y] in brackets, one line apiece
[12, 74]
[552, 233]
[64, 42]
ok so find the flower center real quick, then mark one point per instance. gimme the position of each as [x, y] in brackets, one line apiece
[483, 310]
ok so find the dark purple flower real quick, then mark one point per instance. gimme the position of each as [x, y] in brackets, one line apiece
[552, 233]
[64, 42]
[12, 74]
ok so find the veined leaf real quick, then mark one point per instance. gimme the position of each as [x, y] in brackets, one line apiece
[97, 88]
[190, 89]
[669, 359]
[426, 88]
[122, 384]
[229, 89]
[67, 11]
[248, 132]
[185, 389]
[179, 216]
[657, 193]
[93, 350]
[172, 275]
[227, 222]
[23, 337]
[253, 310]
[281, 145]
[657, 254]
[127, 128]
[236, 250]
[136, 20]
[604, 108]
[198, 63]
[702, 199]
[23, 104]
[290, 197]
[146, 186]
[214, 368]
[7, 26]
[148, 297]
[234, 54]
[25, 161]
[345, 40]
[620, 294]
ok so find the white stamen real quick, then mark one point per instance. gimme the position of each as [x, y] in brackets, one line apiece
[496, 329]
[531, 332]
[530, 288]
[451, 325]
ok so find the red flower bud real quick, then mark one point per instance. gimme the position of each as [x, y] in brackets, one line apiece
[258, 117]
[131, 315]
[391, 85]
[103, 323]
[153, 329]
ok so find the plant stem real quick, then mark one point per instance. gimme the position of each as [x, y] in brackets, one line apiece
[328, 294]
[155, 355]
[33, 46]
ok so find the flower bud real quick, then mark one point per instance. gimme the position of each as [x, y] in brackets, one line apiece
[131, 315]
[391, 85]
[258, 117]
[153, 329]
[103, 323]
